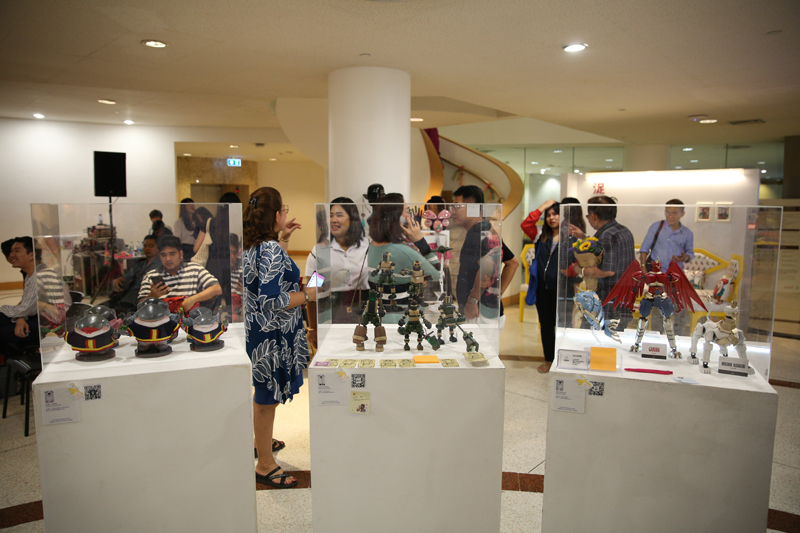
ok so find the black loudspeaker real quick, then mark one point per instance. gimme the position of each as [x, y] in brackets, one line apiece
[109, 174]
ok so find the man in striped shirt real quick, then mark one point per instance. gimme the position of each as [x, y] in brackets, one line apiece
[179, 278]
[16, 321]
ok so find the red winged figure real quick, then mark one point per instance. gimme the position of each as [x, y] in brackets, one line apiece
[669, 292]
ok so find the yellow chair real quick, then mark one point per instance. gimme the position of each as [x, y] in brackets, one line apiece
[528, 254]
[734, 269]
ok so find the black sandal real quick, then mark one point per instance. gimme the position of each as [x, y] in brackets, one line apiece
[277, 445]
[267, 480]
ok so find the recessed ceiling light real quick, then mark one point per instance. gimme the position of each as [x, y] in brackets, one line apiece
[678, 168]
[272, 159]
[234, 146]
[688, 149]
[576, 47]
[197, 181]
[129, 122]
[542, 171]
[707, 121]
[534, 162]
[416, 119]
[38, 115]
[762, 162]
[107, 102]
[763, 171]
[154, 44]
[609, 160]
[557, 151]
[187, 155]
[577, 171]
[693, 161]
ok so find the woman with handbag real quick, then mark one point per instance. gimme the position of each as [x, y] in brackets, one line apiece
[204, 240]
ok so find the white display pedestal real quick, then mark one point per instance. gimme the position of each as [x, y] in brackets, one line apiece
[167, 447]
[427, 457]
[656, 455]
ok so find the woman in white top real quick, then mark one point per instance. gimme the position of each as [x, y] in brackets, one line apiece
[347, 275]
[185, 228]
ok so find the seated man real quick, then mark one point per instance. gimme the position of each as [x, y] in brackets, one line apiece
[126, 288]
[178, 278]
[18, 321]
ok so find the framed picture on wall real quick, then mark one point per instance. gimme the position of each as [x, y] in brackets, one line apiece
[704, 211]
[722, 211]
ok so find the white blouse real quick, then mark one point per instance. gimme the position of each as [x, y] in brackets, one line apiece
[348, 269]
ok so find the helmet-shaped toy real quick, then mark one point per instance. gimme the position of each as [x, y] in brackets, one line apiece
[203, 329]
[93, 338]
[154, 327]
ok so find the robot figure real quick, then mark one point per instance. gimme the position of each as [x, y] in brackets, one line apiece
[472, 344]
[417, 283]
[587, 303]
[449, 317]
[385, 277]
[371, 313]
[724, 333]
[204, 329]
[154, 327]
[669, 292]
[94, 336]
[414, 325]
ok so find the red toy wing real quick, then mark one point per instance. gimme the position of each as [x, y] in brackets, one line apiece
[681, 291]
[627, 289]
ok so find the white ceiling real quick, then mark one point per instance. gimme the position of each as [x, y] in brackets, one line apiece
[227, 61]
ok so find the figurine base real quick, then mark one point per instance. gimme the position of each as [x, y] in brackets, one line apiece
[92, 358]
[153, 352]
[210, 347]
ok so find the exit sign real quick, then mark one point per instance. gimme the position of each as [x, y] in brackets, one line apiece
[232, 162]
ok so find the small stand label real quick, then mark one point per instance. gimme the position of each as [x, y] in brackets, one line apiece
[652, 350]
[734, 366]
[573, 359]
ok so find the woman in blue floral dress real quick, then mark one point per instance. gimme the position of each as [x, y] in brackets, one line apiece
[275, 335]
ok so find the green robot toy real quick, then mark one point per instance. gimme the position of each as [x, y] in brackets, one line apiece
[414, 325]
[371, 313]
[449, 317]
[417, 283]
[385, 278]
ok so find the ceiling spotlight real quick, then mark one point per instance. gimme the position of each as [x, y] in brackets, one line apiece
[763, 171]
[234, 146]
[577, 47]
[762, 162]
[534, 162]
[416, 120]
[129, 122]
[693, 161]
[557, 151]
[577, 171]
[197, 181]
[542, 171]
[272, 159]
[688, 149]
[107, 102]
[187, 155]
[154, 44]
[38, 115]
[609, 160]
[707, 121]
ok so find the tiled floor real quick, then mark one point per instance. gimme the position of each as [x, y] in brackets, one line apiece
[524, 444]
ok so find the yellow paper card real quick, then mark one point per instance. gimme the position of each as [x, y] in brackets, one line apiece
[359, 402]
[420, 359]
[333, 362]
[388, 363]
[405, 363]
[449, 363]
[366, 363]
[349, 363]
[603, 359]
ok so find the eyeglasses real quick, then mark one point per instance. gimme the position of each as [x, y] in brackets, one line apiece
[452, 207]
[285, 209]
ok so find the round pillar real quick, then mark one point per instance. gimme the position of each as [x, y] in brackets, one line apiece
[369, 131]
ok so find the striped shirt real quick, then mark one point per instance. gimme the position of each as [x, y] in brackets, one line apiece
[27, 307]
[51, 289]
[190, 279]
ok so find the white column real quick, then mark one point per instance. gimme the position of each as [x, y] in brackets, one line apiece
[369, 131]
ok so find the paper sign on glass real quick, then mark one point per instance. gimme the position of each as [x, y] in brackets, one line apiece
[603, 359]
[359, 403]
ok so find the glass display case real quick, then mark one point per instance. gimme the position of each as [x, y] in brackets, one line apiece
[90, 255]
[712, 294]
[385, 294]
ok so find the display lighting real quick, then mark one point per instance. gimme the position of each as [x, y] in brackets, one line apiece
[154, 44]
[693, 161]
[107, 102]
[129, 122]
[635, 180]
[197, 181]
[234, 146]
[576, 47]
[763, 171]
[707, 121]
[272, 159]
[609, 160]
[542, 171]
[187, 155]
[688, 149]
[534, 162]
[557, 151]
[416, 120]
[38, 115]
[762, 162]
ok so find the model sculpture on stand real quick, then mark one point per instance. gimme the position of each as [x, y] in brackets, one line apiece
[587, 304]
[153, 327]
[417, 283]
[669, 292]
[415, 325]
[449, 317]
[371, 312]
[385, 279]
[203, 329]
[723, 333]
[94, 335]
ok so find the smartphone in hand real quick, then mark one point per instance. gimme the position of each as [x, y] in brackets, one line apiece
[316, 280]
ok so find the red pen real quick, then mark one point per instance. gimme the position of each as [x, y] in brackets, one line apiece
[649, 371]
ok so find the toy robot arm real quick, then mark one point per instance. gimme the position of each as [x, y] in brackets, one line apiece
[426, 322]
[698, 332]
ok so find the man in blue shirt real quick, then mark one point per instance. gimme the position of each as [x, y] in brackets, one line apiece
[673, 240]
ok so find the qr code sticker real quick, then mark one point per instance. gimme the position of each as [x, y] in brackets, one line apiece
[358, 381]
[598, 388]
[92, 392]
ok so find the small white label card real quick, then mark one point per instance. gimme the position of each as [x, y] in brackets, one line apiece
[62, 404]
[652, 350]
[568, 394]
[734, 366]
[684, 379]
[359, 402]
[330, 389]
[573, 359]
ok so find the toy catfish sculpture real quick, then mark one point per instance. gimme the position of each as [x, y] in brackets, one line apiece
[204, 329]
[153, 327]
[94, 335]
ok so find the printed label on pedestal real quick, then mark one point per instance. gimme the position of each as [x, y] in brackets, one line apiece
[573, 359]
[330, 389]
[567, 395]
[61, 405]
[734, 366]
[652, 350]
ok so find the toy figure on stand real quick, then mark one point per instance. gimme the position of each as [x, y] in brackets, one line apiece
[587, 305]
[414, 325]
[203, 329]
[669, 292]
[724, 333]
[385, 280]
[371, 313]
[437, 221]
[449, 317]
[94, 336]
[154, 327]
[418, 282]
